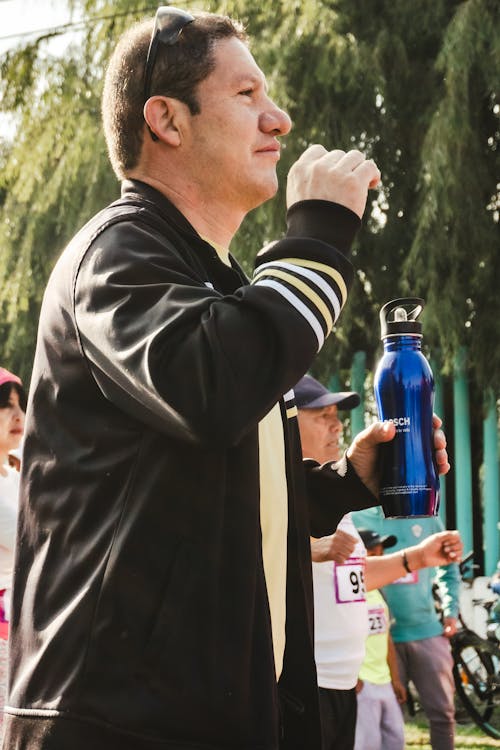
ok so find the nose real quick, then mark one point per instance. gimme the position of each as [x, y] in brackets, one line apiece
[275, 120]
[18, 414]
[336, 424]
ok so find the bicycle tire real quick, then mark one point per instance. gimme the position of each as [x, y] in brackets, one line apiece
[476, 671]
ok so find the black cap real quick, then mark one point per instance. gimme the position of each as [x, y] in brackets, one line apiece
[396, 317]
[371, 539]
[311, 394]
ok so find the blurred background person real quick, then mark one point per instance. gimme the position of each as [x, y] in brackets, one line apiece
[340, 617]
[379, 723]
[421, 639]
[12, 410]
[342, 573]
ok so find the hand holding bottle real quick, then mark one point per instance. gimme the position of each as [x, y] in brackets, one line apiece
[363, 452]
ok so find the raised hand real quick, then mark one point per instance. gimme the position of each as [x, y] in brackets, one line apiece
[337, 176]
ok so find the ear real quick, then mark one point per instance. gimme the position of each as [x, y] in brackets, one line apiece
[163, 115]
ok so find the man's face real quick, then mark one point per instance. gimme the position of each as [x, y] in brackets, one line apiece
[232, 144]
[320, 433]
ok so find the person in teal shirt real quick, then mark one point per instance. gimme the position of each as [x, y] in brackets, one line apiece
[421, 639]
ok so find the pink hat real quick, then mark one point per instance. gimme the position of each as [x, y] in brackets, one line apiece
[8, 377]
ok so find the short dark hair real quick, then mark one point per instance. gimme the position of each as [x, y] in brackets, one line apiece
[5, 391]
[178, 71]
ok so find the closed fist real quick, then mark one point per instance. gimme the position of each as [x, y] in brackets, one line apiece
[337, 176]
[337, 547]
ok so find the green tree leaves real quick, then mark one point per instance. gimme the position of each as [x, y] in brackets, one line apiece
[55, 175]
[415, 85]
[454, 258]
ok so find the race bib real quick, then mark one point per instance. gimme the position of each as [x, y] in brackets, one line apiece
[377, 622]
[349, 581]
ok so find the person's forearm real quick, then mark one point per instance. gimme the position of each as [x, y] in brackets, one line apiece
[383, 570]
[392, 661]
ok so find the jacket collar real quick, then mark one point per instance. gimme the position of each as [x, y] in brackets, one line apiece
[165, 207]
[146, 192]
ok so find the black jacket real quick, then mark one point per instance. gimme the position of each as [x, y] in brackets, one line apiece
[140, 613]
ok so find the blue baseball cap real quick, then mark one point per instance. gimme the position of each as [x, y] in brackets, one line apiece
[311, 394]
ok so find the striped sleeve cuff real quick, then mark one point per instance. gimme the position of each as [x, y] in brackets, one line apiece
[316, 290]
[309, 267]
[290, 405]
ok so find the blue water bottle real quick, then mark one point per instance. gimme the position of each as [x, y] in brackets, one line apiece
[404, 392]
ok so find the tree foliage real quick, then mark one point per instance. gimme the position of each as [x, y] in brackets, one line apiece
[454, 258]
[415, 85]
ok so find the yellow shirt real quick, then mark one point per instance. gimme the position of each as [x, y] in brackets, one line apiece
[375, 668]
[273, 514]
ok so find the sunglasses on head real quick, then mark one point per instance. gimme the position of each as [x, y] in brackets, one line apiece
[169, 23]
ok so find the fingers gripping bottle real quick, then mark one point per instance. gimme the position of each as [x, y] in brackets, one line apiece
[404, 392]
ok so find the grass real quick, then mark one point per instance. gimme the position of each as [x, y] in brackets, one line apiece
[468, 737]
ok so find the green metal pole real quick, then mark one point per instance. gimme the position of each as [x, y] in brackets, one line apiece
[439, 410]
[334, 383]
[462, 458]
[490, 488]
[358, 373]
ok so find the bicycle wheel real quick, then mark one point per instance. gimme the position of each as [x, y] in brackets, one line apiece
[476, 671]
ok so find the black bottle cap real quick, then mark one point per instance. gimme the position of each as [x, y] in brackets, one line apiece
[399, 316]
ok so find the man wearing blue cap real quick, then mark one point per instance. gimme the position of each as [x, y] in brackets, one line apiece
[318, 416]
[342, 573]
